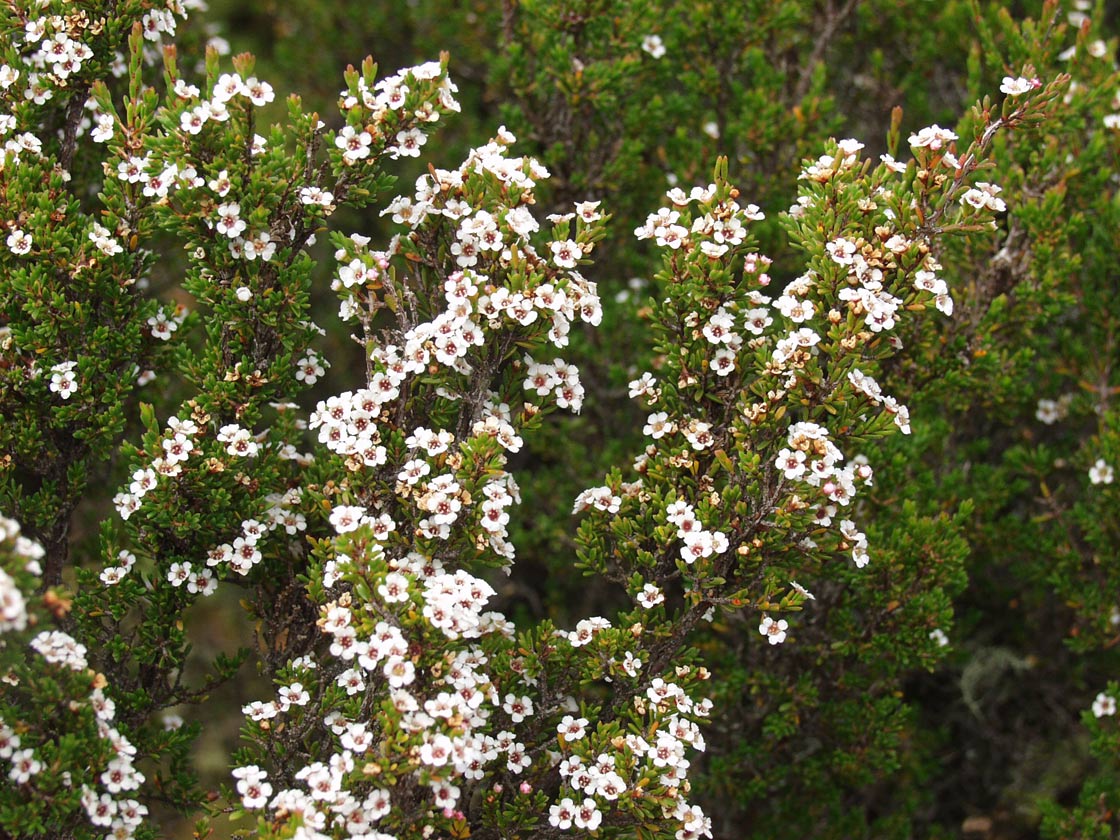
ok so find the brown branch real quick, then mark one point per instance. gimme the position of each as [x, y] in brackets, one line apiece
[833, 20]
[74, 111]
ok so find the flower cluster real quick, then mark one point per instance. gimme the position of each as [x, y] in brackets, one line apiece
[53, 48]
[404, 703]
[390, 94]
[182, 440]
[13, 605]
[438, 712]
[446, 718]
[809, 353]
[459, 338]
[698, 542]
[453, 720]
[25, 745]
[812, 458]
[176, 447]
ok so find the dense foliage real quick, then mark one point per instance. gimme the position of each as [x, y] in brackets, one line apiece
[575, 432]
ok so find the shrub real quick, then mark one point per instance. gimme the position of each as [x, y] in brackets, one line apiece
[841, 457]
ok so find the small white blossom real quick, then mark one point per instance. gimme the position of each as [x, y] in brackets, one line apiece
[573, 729]
[650, 596]
[775, 631]
[1101, 472]
[932, 137]
[63, 381]
[1018, 86]
[19, 243]
[653, 45]
[179, 573]
[1104, 705]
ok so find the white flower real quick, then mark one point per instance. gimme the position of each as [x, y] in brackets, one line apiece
[1105, 704]
[394, 589]
[521, 221]
[699, 434]
[179, 573]
[112, 575]
[719, 329]
[408, 143]
[24, 766]
[346, 518]
[1049, 411]
[229, 85]
[757, 320]
[565, 253]
[842, 251]
[162, 326]
[102, 237]
[1100, 472]
[653, 45]
[293, 695]
[254, 791]
[1015, 87]
[932, 137]
[775, 631]
[650, 596]
[588, 211]
[354, 144]
[600, 498]
[58, 648]
[518, 708]
[177, 448]
[193, 120]
[658, 425]
[802, 590]
[202, 583]
[588, 816]
[572, 728]
[134, 169]
[646, 386]
[791, 463]
[184, 90]
[309, 369]
[104, 130]
[259, 245]
[19, 242]
[723, 361]
[259, 93]
[316, 196]
[229, 220]
[562, 813]
[399, 671]
[631, 665]
[984, 195]
[63, 381]
[239, 441]
[938, 635]
[892, 164]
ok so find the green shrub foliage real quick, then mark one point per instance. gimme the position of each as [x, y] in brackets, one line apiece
[573, 433]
